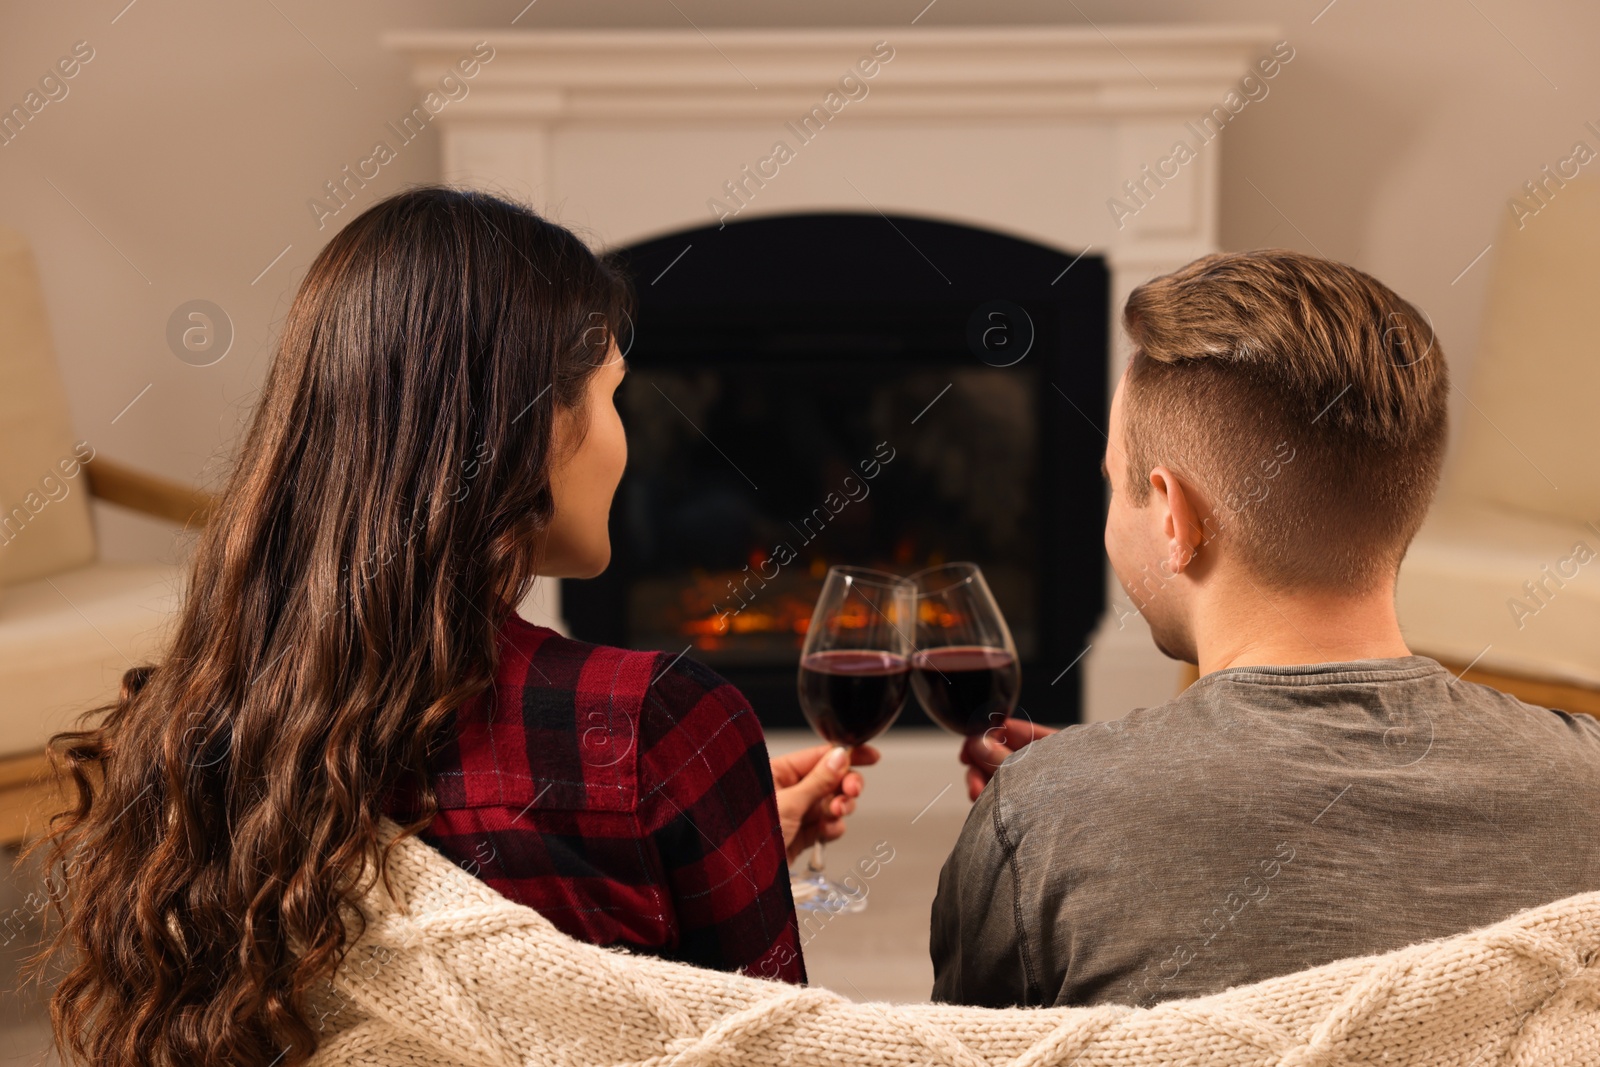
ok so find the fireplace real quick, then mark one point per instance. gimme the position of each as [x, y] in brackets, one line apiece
[1030, 131]
[894, 392]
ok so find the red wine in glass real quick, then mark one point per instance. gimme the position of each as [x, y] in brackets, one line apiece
[852, 695]
[855, 673]
[964, 670]
[966, 688]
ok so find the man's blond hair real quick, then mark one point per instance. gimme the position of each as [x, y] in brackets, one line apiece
[1303, 398]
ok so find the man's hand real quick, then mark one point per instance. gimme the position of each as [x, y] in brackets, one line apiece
[985, 752]
[816, 793]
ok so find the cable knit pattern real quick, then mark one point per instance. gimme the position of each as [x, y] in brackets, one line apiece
[451, 973]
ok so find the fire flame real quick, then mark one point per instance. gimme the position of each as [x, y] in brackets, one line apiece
[708, 607]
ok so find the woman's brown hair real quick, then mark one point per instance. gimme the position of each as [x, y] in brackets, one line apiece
[382, 518]
[1304, 398]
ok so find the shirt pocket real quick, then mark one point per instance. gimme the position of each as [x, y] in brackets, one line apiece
[582, 740]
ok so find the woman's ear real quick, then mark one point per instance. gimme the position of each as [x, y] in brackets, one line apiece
[563, 437]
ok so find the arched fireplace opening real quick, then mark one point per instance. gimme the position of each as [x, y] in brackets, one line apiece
[880, 390]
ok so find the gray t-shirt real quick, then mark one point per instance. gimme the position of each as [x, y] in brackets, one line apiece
[1267, 820]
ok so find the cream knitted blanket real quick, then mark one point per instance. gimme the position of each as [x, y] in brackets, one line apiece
[452, 973]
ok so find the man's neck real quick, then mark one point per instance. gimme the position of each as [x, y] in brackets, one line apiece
[1260, 627]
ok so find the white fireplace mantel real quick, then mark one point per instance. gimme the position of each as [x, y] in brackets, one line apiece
[996, 72]
[1034, 131]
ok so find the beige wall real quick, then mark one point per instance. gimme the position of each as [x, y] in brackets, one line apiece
[189, 146]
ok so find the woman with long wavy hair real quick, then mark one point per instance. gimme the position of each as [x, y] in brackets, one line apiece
[436, 430]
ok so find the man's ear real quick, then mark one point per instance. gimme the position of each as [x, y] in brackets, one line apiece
[1180, 517]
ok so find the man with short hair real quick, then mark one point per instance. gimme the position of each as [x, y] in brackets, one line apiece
[1320, 792]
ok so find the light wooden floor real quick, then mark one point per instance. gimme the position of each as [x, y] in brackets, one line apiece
[915, 800]
[24, 1017]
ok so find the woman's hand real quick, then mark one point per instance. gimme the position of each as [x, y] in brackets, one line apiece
[816, 793]
[985, 752]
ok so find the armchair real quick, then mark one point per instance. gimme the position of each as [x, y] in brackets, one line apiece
[70, 623]
[1503, 577]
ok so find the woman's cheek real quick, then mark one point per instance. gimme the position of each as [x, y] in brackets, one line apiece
[622, 444]
[613, 458]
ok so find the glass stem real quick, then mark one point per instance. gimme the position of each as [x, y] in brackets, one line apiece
[814, 864]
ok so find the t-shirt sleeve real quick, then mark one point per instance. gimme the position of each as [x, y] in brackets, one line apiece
[977, 939]
[708, 806]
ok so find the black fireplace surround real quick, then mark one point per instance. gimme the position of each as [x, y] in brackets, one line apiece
[895, 392]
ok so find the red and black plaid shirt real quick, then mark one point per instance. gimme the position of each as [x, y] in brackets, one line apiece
[627, 797]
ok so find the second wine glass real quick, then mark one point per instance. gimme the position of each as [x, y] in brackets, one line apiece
[964, 670]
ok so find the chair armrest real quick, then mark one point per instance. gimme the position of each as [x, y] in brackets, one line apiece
[148, 493]
[29, 796]
[1540, 692]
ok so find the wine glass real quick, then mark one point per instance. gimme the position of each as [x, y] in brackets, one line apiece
[854, 678]
[964, 669]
